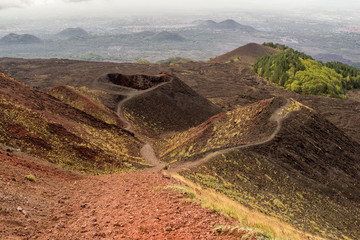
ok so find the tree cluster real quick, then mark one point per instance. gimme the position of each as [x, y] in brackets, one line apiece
[349, 73]
[276, 45]
[298, 72]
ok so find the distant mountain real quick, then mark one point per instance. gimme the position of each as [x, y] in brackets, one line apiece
[231, 24]
[357, 65]
[145, 34]
[73, 33]
[208, 24]
[332, 58]
[225, 25]
[167, 36]
[13, 38]
[247, 53]
[197, 22]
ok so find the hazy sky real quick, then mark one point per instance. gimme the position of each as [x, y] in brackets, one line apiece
[100, 8]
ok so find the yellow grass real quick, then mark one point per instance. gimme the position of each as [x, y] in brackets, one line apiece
[246, 217]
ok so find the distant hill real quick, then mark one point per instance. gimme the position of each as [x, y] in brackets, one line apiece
[165, 36]
[357, 65]
[247, 53]
[145, 34]
[72, 33]
[225, 25]
[13, 38]
[332, 58]
[174, 60]
[208, 24]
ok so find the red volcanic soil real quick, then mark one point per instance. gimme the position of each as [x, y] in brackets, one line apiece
[65, 205]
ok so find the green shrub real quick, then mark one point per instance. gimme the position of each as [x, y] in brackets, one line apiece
[31, 178]
[174, 60]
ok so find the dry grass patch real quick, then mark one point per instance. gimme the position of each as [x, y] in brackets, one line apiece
[269, 227]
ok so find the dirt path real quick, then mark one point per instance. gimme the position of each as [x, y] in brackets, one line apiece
[147, 152]
[133, 206]
[276, 117]
[62, 205]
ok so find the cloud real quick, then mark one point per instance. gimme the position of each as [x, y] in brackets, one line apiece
[4, 4]
[78, 0]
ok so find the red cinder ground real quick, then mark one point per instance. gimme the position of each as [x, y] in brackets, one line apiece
[65, 205]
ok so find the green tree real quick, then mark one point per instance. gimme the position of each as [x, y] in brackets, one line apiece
[298, 72]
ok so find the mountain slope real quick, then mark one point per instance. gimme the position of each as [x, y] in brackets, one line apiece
[89, 101]
[171, 107]
[40, 125]
[157, 104]
[13, 38]
[231, 24]
[224, 130]
[228, 86]
[307, 175]
[301, 169]
[247, 54]
[72, 33]
[208, 24]
[332, 58]
[228, 24]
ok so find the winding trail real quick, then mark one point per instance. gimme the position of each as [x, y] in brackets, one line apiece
[130, 95]
[147, 151]
[277, 117]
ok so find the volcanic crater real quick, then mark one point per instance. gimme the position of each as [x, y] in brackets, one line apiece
[137, 81]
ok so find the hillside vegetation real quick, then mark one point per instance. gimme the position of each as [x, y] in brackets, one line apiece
[87, 101]
[298, 72]
[309, 179]
[40, 125]
[269, 153]
[13, 38]
[228, 129]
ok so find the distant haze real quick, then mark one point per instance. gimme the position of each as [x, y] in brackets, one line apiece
[23, 9]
